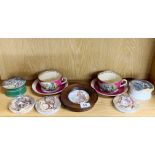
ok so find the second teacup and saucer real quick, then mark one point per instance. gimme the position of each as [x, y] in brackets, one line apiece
[109, 83]
[49, 83]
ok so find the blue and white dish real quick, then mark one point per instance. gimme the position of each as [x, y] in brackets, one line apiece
[141, 89]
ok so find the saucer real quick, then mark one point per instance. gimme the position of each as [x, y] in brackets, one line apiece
[22, 104]
[37, 88]
[95, 86]
[48, 105]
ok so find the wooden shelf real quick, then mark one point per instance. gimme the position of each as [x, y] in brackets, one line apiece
[103, 107]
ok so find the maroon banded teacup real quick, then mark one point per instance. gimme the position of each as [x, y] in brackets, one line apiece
[110, 81]
[51, 80]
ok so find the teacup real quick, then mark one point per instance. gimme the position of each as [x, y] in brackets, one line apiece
[110, 81]
[51, 80]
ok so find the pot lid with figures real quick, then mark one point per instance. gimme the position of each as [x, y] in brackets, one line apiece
[79, 97]
[48, 105]
[125, 103]
[22, 104]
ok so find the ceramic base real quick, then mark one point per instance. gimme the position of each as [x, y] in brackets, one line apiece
[16, 92]
[142, 97]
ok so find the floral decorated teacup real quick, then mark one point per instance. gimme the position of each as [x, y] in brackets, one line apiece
[51, 80]
[110, 81]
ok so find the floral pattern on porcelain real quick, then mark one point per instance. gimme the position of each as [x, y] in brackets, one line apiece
[49, 86]
[109, 87]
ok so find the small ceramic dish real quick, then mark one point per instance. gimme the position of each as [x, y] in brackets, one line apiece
[22, 104]
[141, 89]
[38, 89]
[48, 105]
[125, 103]
[13, 83]
[96, 87]
[78, 97]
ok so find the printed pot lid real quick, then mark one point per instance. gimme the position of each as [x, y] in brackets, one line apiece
[125, 103]
[13, 83]
[48, 105]
[22, 104]
[79, 97]
[139, 85]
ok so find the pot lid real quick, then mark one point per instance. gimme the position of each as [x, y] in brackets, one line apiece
[139, 85]
[13, 83]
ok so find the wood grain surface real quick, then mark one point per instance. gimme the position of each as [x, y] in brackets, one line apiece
[152, 72]
[76, 59]
[103, 108]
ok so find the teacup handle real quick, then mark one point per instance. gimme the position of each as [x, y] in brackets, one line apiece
[64, 80]
[124, 83]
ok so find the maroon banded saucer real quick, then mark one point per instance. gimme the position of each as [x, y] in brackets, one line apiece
[37, 89]
[95, 86]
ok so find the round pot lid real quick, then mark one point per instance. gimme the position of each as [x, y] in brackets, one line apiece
[125, 103]
[22, 104]
[140, 85]
[79, 97]
[48, 105]
[13, 83]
